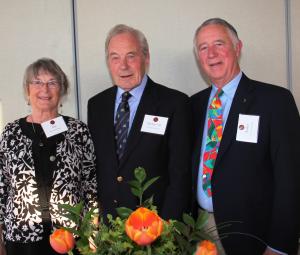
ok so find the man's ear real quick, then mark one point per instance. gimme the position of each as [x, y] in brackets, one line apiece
[238, 48]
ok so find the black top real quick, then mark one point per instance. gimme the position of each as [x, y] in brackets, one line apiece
[44, 151]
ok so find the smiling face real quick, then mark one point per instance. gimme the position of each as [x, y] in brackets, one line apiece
[44, 97]
[218, 53]
[126, 61]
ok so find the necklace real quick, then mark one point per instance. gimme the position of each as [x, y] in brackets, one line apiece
[33, 127]
[41, 144]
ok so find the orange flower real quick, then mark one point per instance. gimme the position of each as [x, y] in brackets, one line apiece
[62, 241]
[143, 226]
[206, 248]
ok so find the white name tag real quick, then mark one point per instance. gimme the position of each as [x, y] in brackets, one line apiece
[154, 124]
[247, 129]
[54, 126]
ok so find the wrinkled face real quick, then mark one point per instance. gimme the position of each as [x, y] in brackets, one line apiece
[44, 93]
[126, 62]
[217, 54]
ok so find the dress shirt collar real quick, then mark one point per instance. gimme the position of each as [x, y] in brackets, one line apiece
[229, 88]
[136, 93]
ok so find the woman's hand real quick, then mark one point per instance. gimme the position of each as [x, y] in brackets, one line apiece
[2, 248]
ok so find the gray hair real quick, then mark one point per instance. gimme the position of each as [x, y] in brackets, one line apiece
[121, 29]
[49, 66]
[218, 21]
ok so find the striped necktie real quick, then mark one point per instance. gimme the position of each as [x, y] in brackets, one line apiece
[213, 140]
[122, 124]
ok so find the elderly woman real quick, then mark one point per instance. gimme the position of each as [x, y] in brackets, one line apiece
[45, 160]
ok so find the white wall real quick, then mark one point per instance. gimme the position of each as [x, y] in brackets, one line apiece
[35, 28]
[30, 30]
[295, 25]
[169, 26]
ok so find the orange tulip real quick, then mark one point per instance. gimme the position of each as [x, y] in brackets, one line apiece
[206, 248]
[143, 226]
[62, 241]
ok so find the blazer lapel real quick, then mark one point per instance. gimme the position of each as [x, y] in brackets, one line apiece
[147, 105]
[241, 102]
[108, 125]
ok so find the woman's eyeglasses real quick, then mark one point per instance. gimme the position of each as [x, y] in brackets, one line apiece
[52, 84]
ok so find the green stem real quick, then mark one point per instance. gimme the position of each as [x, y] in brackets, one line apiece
[149, 251]
[141, 200]
[70, 252]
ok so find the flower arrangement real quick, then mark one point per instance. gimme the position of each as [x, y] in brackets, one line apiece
[136, 232]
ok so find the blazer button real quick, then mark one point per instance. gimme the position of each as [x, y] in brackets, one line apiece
[52, 158]
[119, 178]
[115, 201]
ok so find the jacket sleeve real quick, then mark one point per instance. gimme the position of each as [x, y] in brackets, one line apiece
[3, 181]
[178, 194]
[88, 172]
[285, 141]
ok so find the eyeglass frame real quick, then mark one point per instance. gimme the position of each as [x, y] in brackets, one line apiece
[52, 84]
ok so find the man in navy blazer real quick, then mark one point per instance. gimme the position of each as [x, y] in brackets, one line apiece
[159, 131]
[255, 180]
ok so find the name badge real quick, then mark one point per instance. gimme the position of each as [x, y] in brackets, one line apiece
[54, 126]
[247, 129]
[154, 124]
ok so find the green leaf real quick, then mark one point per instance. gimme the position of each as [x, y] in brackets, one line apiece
[201, 220]
[135, 184]
[88, 215]
[183, 243]
[137, 192]
[187, 219]
[72, 230]
[182, 228]
[148, 202]
[150, 182]
[76, 209]
[201, 235]
[72, 212]
[82, 242]
[140, 174]
[72, 217]
[124, 212]
[86, 225]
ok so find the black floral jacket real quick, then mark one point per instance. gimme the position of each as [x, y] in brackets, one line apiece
[74, 179]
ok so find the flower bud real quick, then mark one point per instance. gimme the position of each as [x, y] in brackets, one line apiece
[143, 226]
[206, 248]
[62, 241]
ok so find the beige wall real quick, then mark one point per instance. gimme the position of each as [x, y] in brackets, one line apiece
[29, 30]
[34, 28]
[169, 26]
[295, 25]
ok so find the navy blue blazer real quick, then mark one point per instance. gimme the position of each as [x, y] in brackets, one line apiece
[256, 184]
[167, 156]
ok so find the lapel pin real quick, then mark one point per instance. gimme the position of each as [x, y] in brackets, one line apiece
[241, 127]
[155, 119]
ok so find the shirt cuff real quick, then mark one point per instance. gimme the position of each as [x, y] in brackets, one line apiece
[279, 252]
